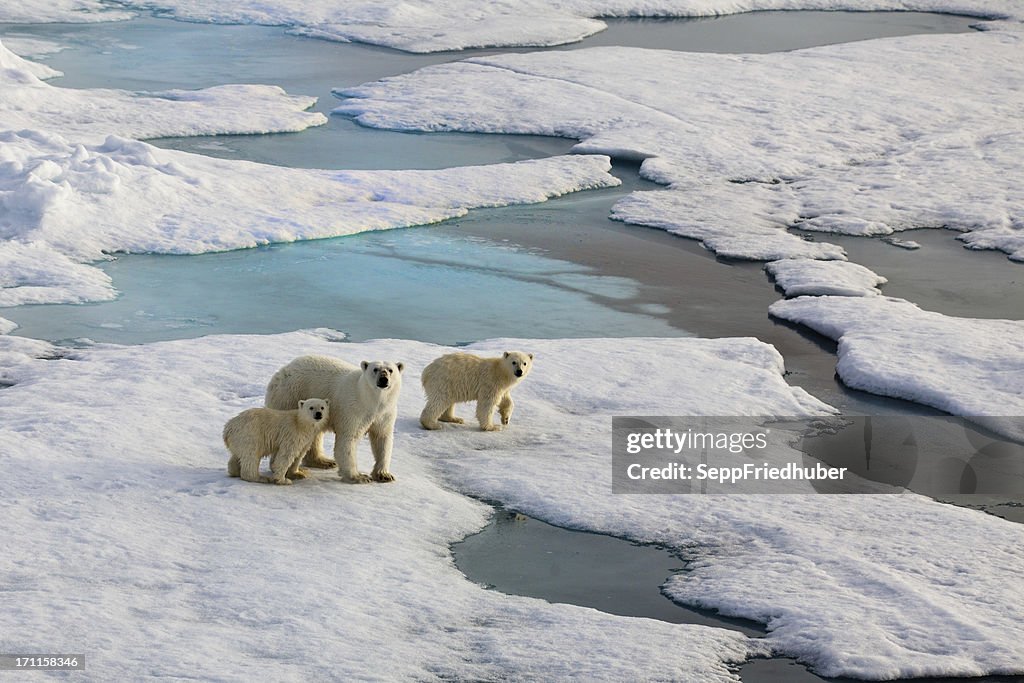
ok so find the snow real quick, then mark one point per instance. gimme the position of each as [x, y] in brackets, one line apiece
[46, 11]
[63, 205]
[910, 245]
[16, 70]
[74, 189]
[436, 25]
[7, 326]
[798, 277]
[138, 536]
[748, 225]
[970, 367]
[743, 152]
[32, 46]
[29, 103]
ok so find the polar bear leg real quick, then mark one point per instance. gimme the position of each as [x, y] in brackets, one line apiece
[251, 470]
[485, 405]
[316, 458]
[435, 408]
[345, 455]
[449, 416]
[296, 472]
[381, 441]
[279, 465]
[234, 467]
[505, 407]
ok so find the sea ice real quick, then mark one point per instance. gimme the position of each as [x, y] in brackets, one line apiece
[435, 25]
[853, 138]
[971, 367]
[799, 277]
[116, 472]
[63, 205]
[74, 189]
[89, 115]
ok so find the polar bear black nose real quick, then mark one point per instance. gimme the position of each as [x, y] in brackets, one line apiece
[519, 373]
[382, 382]
[318, 415]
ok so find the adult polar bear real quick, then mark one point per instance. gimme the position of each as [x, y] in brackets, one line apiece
[364, 400]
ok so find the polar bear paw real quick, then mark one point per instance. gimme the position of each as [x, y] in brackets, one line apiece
[356, 478]
[320, 463]
[382, 477]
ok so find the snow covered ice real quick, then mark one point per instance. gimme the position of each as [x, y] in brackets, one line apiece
[436, 25]
[75, 189]
[141, 537]
[798, 277]
[743, 154]
[965, 366]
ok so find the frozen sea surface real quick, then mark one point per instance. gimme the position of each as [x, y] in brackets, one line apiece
[130, 517]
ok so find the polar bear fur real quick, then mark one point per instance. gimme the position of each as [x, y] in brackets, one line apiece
[284, 435]
[460, 377]
[364, 400]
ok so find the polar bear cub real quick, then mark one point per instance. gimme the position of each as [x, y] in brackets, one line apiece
[364, 400]
[284, 435]
[460, 377]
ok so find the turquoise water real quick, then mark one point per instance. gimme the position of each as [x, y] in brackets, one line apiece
[410, 283]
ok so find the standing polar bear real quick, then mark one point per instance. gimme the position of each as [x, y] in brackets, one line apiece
[364, 400]
[284, 435]
[460, 377]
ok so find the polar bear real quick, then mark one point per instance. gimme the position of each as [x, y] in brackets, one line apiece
[459, 377]
[284, 435]
[364, 400]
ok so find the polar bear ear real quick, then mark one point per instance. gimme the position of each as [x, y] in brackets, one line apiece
[301, 404]
[400, 366]
[327, 402]
[530, 355]
[365, 365]
[506, 355]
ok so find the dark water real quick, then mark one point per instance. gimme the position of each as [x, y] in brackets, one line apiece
[518, 555]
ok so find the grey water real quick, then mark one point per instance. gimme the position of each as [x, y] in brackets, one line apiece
[518, 555]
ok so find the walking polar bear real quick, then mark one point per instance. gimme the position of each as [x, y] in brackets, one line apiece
[364, 400]
[460, 377]
[284, 435]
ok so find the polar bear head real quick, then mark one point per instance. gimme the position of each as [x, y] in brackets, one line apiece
[517, 363]
[383, 374]
[313, 409]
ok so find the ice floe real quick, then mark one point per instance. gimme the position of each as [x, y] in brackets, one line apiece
[435, 25]
[123, 491]
[971, 367]
[852, 138]
[139, 536]
[74, 188]
[63, 205]
[799, 277]
[89, 115]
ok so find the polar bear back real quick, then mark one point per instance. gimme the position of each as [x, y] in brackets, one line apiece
[355, 403]
[461, 377]
[309, 376]
[266, 431]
